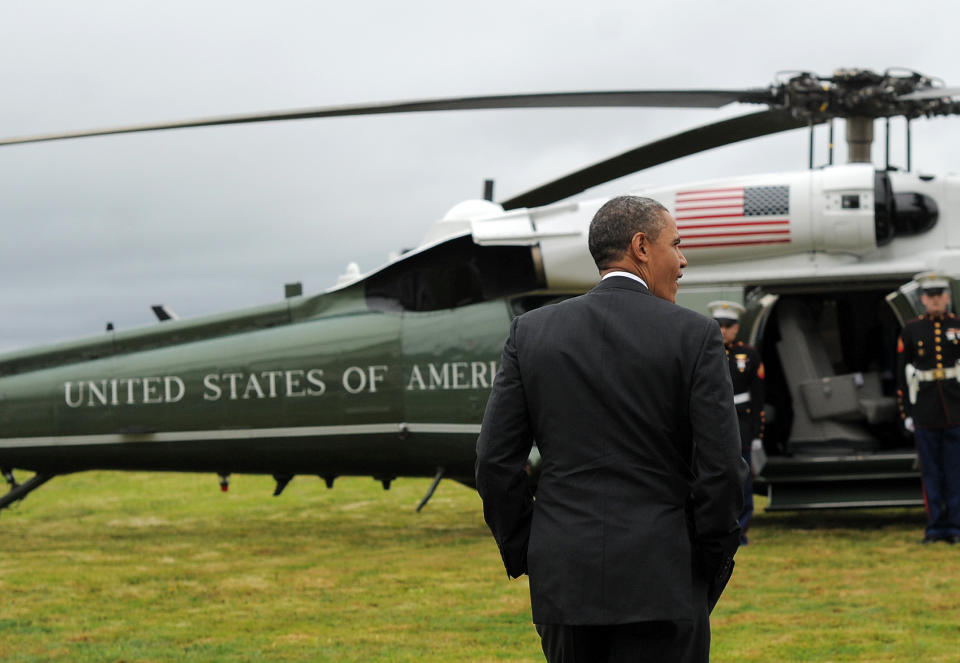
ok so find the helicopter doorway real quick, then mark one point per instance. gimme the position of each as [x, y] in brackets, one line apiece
[830, 358]
[833, 433]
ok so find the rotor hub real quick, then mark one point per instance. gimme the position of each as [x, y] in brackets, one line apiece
[862, 93]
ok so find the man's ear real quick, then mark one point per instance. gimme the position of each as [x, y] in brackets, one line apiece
[638, 246]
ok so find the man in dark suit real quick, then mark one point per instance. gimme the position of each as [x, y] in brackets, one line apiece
[627, 395]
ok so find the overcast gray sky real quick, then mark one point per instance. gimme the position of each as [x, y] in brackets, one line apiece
[208, 220]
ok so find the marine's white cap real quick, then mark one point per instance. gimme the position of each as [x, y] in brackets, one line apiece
[932, 280]
[726, 310]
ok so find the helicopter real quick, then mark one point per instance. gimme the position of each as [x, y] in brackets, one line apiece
[386, 374]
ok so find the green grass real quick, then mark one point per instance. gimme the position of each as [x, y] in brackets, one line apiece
[841, 586]
[110, 567]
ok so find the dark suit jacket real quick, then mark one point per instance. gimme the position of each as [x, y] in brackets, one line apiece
[630, 402]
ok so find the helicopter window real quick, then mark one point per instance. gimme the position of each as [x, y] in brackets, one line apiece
[850, 201]
[456, 273]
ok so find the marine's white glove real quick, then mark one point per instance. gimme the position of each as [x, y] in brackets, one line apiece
[758, 457]
[908, 424]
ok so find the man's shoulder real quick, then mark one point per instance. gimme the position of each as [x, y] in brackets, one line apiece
[642, 303]
[677, 315]
[549, 310]
[650, 304]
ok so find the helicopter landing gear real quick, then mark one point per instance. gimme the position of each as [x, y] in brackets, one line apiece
[282, 481]
[19, 491]
[433, 486]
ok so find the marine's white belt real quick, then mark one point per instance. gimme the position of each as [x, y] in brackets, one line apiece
[935, 374]
[740, 399]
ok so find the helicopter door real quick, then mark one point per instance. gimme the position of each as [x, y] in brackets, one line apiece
[754, 321]
[905, 300]
[451, 357]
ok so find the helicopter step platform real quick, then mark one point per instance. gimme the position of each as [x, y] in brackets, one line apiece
[842, 481]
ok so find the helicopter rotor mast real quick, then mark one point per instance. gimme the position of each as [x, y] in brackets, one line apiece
[860, 96]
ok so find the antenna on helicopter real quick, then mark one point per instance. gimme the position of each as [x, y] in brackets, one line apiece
[488, 190]
[352, 274]
[163, 313]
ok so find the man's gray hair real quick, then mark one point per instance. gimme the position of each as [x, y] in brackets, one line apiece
[615, 224]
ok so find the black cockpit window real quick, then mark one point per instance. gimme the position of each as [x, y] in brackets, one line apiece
[455, 273]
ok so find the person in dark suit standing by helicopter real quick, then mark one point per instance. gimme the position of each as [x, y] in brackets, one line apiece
[928, 353]
[746, 373]
[633, 530]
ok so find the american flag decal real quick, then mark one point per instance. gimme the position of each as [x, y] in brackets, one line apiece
[733, 216]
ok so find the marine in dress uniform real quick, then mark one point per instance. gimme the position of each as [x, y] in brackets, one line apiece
[928, 392]
[746, 373]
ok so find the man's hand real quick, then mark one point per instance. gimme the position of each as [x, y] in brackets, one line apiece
[758, 457]
[908, 424]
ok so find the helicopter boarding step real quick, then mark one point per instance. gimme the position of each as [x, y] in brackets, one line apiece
[844, 481]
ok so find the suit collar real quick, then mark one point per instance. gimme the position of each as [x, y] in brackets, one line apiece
[622, 283]
[624, 274]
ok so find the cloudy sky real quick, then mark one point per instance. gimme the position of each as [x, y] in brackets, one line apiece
[208, 220]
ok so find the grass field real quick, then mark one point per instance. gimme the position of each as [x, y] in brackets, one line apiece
[109, 567]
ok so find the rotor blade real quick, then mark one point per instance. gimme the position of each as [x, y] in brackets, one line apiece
[667, 149]
[931, 93]
[638, 98]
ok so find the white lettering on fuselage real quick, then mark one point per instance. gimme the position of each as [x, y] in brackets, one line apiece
[452, 376]
[132, 391]
[273, 384]
[266, 384]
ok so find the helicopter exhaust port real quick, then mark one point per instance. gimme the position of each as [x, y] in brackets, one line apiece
[900, 214]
